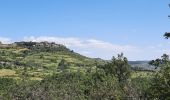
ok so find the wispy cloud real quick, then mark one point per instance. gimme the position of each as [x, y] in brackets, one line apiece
[89, 47]
[103, 49]
[5, 40]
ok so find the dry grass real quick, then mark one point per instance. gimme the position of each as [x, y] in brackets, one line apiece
[36, 78]
[7, 72]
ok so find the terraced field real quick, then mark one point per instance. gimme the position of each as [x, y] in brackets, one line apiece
[18, 60]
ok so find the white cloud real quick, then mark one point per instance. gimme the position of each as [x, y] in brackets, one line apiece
[70, 41]
[85, 52]
[157, 50]
[5, 40]
[102, 49]
[90, 47]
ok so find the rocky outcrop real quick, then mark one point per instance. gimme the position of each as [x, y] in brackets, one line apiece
[42, 46]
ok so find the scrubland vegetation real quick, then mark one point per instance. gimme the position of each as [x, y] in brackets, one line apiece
[49, 71]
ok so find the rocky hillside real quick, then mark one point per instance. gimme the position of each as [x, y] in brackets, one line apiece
[43, 57]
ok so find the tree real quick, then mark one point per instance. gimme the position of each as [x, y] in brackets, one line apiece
[167, 35]
[160, 85]
[159, 62]
[41, 56]
[119, 67]
[63, 65]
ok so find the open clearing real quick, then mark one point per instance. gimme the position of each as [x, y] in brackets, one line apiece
[7, 72]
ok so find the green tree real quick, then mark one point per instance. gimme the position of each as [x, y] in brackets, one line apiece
[160, 85]
[42, 56]
[119, 67]
[63, 65]
[159, 62]
[167, 35]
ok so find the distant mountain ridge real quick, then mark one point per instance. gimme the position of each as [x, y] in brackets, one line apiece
[141, 64]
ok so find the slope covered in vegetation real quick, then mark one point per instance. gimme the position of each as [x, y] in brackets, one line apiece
[49, 71]
[42, 58]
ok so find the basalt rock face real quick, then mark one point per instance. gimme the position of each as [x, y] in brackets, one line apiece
[42, 46]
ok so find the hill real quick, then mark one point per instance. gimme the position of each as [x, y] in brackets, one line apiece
[53, 71]
[141, 65]
[42, 58]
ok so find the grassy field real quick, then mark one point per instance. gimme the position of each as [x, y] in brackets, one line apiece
[7, 73]
[40, 74]
[141, 74]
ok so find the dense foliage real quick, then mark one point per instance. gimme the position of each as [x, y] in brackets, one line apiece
[160, 86]
[48, 71]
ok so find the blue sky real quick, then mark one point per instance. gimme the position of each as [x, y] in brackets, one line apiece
[95, 28]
